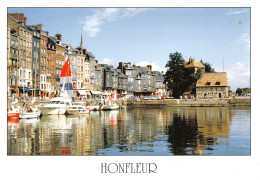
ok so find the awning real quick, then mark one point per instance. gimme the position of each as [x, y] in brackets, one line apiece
[25, 89]
[95, 92]
[83, 92]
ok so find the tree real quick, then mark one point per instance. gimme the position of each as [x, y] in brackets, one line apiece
[178, 78]
[239, 91]
[208, 67]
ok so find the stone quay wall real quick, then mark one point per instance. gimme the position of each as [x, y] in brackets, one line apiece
[190, 102]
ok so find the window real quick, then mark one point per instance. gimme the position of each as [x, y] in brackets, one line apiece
[207, 83]
[217, 83]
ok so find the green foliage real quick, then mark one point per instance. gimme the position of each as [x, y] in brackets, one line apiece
[208, 67]
[239, 91]
[177, 78]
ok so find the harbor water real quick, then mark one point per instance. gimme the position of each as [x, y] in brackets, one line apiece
[156, 131]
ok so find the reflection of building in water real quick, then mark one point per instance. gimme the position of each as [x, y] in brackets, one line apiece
[23, 138]
[194, 129]
[188, 130]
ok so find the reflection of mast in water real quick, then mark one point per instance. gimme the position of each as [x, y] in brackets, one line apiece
[57, 130]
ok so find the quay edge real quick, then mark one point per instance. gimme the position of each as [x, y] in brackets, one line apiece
[191, 103]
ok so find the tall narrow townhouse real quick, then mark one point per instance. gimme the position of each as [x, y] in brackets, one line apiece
[92, 63]
[18, 24]
[80, 68]
[36, 61]
[12, 56]
[45, 66]
[8, 62]
[43, 59]
[51, 69]
[28, 71]
[60, 52]
[87, 70]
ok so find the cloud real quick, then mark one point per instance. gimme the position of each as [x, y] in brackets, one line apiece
[245, 40]
[238, 76]
[155, 67]
[236, 12]
[107, 61]
[92, 24]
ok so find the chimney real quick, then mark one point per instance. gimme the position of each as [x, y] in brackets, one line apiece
[120, 67]
[149, 67]
[201, 61]
[25, 21]
[40, 27]
[58, 36]
[111, 66]
[129, 64]
[162, 72]
[19, 17]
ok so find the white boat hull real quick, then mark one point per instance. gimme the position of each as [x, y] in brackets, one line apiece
[52, 110]
[29, 115]
[76, 112]
[105, 107]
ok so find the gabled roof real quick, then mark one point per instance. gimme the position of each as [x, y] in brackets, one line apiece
[193, 63]
[212, 80]
[90, 54]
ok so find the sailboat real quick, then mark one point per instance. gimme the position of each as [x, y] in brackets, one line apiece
[111, 104]
[58, 105]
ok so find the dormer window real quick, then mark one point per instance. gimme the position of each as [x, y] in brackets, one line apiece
[217, 83]
[207, 83]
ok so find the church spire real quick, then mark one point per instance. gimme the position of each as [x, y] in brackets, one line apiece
[81, 40]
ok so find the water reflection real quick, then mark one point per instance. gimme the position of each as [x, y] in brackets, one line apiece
[138, 131]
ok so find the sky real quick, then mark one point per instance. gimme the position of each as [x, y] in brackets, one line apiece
[142, 36]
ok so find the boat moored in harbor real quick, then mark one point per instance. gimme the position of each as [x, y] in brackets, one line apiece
[77, 108]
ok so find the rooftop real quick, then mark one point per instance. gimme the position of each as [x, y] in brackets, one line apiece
[212, 80]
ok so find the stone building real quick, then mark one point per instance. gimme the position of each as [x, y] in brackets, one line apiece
[193, 65]
[213, 85]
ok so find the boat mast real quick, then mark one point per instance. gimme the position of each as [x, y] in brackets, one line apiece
[68, 75]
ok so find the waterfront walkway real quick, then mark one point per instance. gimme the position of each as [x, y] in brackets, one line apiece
[191, 102]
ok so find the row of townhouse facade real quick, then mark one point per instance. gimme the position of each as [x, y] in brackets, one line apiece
[35, 60]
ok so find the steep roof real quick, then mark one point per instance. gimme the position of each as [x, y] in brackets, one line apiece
[193, 63]
[212, 80]
[158, 76]
[90, 54]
